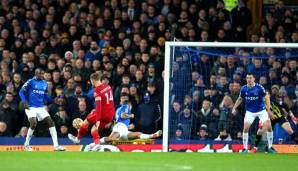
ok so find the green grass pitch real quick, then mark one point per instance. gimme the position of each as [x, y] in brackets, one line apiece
[105, 161]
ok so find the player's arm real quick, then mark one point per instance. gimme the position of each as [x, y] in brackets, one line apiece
[22, 93]
[239, 100]
[267, 101]
[268, 105]
[237, 103]
[98, 108]
[47, 97]
[126, 114]
[157, 113]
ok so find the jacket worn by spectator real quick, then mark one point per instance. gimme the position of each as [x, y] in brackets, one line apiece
[8, 117]
[148, 115]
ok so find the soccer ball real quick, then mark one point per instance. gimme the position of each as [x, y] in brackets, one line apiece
[76, 123]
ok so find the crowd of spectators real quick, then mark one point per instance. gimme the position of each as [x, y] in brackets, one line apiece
[206, 86]
[124, 39]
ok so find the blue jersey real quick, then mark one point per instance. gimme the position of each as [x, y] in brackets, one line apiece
[35, 92]
[125, 108]
[253, 97]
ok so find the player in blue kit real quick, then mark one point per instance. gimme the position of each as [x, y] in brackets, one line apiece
[257, 101]
[34, 94]
[120, 129]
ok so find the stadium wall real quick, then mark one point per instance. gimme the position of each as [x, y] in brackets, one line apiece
[44, 144]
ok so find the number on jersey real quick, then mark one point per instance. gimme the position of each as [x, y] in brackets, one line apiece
[109, 96]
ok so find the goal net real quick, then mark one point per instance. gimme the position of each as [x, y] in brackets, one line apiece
[203, 80]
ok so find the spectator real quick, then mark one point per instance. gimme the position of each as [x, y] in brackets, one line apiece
[17, 82]
[241, 19]
[223, 136]
[212, 122]
[70, 87]
[148, 115]
[234, 90]
[257, 68]
[179, 134]
[7, 120]
[73, 99]
[203, 133]
[3, 129]
[61, 120]
[59, 102]
[93, 53]
[135, 96]
[82, 111]
[225, 110]
[187, 120]
[204, 112]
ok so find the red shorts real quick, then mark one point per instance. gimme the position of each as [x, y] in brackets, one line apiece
[91, 118]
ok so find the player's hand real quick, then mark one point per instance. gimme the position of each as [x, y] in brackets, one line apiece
[25, 105]
[234, 112]
[124, 115]
[132, 116]
[97, 124]
[271, 116]
[108, 125]
[131, 126]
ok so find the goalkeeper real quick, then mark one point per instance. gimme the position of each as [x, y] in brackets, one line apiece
[120, 129]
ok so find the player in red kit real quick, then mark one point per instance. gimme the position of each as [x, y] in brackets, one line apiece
[101, 116]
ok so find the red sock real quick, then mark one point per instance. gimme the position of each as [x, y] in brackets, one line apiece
[95, 137]
[82, 131]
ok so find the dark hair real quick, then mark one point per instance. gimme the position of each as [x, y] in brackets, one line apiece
[124, 94]
[10, 93]
[96, 76]
[151, 84]
[38, 70]
[249, 73]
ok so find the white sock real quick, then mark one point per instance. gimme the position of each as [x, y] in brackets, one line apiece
[29, 136]
[53, 133]
[270, 139]
[102, 140]
[245, 140]
[145, 136]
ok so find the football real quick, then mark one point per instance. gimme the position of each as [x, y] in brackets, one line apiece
[76, 123]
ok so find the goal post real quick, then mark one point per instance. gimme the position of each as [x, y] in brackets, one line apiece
[214, 50]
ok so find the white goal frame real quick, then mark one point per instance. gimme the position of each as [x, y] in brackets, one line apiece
[169, 44]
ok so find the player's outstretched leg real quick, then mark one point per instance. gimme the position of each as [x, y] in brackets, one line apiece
[82, 131]
[156, 134]
[33, 124]
[73, 139]
[113, 136]
[53, 133]
[287, 127]
[140, 135]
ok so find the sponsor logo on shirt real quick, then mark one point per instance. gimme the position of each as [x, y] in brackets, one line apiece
[252, 98]
[41, 92]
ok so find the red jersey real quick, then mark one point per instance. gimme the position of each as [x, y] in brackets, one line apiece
[103, 96]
